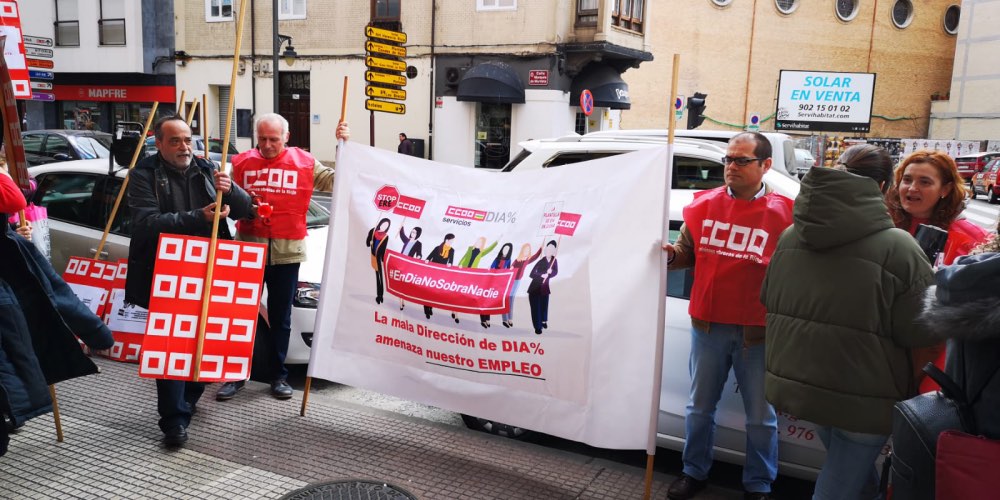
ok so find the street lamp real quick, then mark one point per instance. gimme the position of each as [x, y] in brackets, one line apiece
[289, 55]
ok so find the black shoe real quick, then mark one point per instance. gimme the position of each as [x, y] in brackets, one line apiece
[175, 437]
[280, 389]
[229, 390]
[756, 495]
[192, 408]
[685, 487]
[485, 324]
[428, 315]
[545, 324]
[537, 331]
[506, 324]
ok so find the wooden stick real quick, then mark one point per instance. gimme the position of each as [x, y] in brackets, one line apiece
[203, 128]
[207, 289]
[121, 192]
[55, 413]
[649, 477]
[179, 109]
[305, 396]
[343, 102]
[190, 116]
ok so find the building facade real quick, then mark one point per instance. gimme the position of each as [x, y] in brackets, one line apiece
[733, 50]
[971, 110]
[110, 60]
[481, 75]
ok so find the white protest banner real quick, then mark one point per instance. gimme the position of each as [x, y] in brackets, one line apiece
[571, 252]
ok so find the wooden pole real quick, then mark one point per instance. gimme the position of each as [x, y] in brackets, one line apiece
[207, 288]
[55, 413]
[654, 412]
[203, 128]
[121, 192]
[343, 116]
[179, 109]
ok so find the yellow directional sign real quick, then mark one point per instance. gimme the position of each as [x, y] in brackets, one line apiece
[386, 78]
[384, 93]
[385, 106]
[389, 64]
[382, 48]
[392, 36]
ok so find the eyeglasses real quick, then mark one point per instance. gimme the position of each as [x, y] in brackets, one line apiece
[742, 162]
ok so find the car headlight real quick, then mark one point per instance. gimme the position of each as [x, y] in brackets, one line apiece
[306, 295]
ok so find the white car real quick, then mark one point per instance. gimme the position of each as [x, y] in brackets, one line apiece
[79, 196]
[697, 166]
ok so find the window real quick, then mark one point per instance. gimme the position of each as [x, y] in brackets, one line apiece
[951, 17]
[292, 9]
[902, 13]
[847, 9]
[32, 143]
[492, 135]
[111, 25]
[586, 13]
[697, 173]
[218, 10]
[385, 10]
[786, 6]
[67, 23]
[627, 14]
[68, 197]
[58, 145]
[496, 4]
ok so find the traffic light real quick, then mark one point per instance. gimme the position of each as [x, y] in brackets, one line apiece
[696, 110]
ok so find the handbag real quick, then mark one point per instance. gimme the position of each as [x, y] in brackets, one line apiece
[963, 465]
[916, 425]
[39, 218]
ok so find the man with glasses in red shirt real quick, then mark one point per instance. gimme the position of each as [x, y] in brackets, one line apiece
[728, 237]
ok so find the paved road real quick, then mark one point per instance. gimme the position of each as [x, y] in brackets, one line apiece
[980, 212]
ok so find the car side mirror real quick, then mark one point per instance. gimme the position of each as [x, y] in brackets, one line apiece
[62, 157]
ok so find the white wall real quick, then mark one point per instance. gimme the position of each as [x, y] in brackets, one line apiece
[551, 104]
[454, 129]
[38, 16]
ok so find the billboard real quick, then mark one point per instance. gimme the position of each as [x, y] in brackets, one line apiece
[825, 101]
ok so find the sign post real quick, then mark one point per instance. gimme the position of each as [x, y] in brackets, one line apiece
[824, 101]
[385, 60]
[587, 102]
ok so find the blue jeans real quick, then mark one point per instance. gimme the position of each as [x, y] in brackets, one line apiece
[849, 471]
[281, 281]
[509, 315]
[713, 353]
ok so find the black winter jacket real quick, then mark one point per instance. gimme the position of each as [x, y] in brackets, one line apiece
[964, 307]
[40, 320]
[153, 213]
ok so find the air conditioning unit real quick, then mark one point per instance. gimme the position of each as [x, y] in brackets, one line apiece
[453, 74]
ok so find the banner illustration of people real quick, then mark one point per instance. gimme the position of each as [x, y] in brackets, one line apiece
[588, 377]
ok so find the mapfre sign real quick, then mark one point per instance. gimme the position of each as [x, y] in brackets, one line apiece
[114, 93]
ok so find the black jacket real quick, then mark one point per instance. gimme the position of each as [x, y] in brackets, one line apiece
[964, 307]
[153, 213]
[41, 320]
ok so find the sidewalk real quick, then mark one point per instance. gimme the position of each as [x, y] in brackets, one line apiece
[258, 447]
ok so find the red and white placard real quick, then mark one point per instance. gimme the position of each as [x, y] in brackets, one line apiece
[168, 350]
[126, 321]
[91, 281]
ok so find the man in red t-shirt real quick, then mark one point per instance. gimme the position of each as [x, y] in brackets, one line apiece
[728, 237]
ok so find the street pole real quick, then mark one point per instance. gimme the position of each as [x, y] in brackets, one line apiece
[275, 43]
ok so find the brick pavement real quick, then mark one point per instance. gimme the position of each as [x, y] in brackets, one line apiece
[258, 447]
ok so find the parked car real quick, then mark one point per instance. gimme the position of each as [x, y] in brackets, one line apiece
[48, 146]
[971, 164]
[79, 196]
[985, 182]
[198, 145]
[697, 166]
[804, 160]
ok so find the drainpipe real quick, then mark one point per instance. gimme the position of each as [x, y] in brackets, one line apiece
[253, 75]
[433, 97]
[274, 50]
[746, 94]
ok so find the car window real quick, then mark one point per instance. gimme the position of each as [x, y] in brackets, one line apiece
[569, 157]
[68, 197]
[92, 147]
[57, 144]
[215, 146]
[697, 173]
[33, 143]
[679, 281]
[105, 194]
[318, 215]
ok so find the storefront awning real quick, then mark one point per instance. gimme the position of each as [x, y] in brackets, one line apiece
[605, 82]
[491, 81]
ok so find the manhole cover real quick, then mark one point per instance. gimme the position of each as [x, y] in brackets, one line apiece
[350, 490]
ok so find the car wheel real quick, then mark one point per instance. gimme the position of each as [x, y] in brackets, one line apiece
[993, 195]
[496, 428]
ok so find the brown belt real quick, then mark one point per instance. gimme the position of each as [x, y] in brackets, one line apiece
[752, 334]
